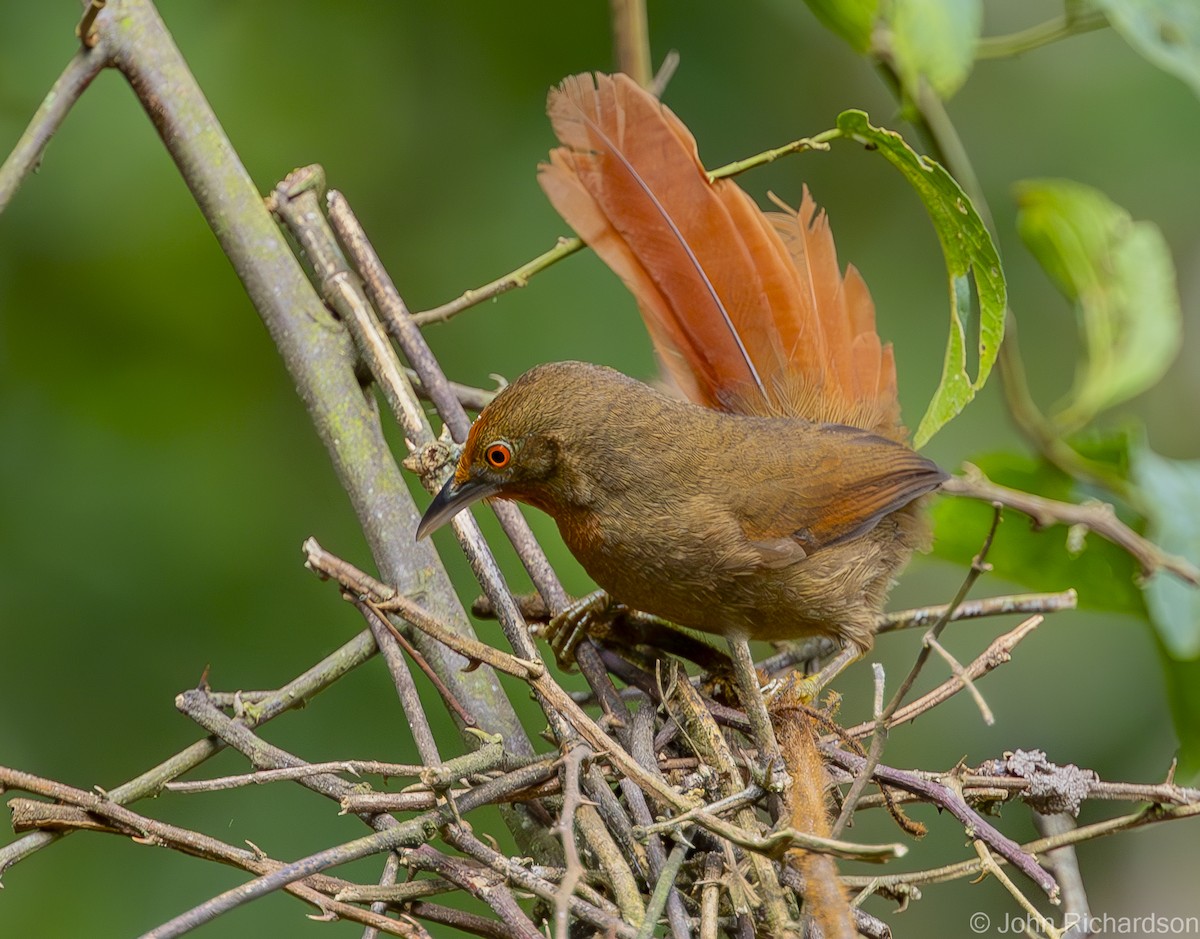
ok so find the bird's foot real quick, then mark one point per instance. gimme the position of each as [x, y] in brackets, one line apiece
[584, 616]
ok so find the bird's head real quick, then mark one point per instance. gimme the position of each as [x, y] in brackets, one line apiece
[527, 443]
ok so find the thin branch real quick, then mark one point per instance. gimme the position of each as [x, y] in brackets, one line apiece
[25, 157]
[998, 652]
[1060, 27]
[287, 773]
[631, 40]
[1024, 603]
[97, 812]
[881, 723]
[948, 799]
[563, 248]
[1097, 517]
[294, 694]
[574, 758]
[1045, 927]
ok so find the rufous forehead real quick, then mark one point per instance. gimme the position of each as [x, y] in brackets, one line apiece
[462, 472]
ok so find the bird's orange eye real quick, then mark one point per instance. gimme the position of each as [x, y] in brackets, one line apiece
[498, 455]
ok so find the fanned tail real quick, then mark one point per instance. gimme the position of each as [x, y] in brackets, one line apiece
[747, 311]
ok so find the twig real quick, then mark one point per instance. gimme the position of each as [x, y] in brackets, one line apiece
[262, 776]
[294, 694]
[574, 758]
[84, 808]
[1112, 826]
[1064, 864]
[390, 643]
[410, 833]
[666, 880]
[1097, 517]
[957, 670]
[84, 66]
[881, 723]
[1025, 603]
[1045, 927]
[996, 654]
[946, 798]
[410, 700]
[565, 247]
[604, 917]
[477, 881]
[399, 325]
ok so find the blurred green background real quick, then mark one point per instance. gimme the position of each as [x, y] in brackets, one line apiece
[157, 473]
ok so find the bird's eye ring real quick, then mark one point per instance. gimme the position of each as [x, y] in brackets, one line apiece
[498, 455]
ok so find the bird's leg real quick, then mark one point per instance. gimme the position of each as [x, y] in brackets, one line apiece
[567, 629]
[761, 731]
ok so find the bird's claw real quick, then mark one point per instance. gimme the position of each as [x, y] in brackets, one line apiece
[567, 629]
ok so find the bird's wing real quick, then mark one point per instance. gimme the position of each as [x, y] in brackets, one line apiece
[806, 498]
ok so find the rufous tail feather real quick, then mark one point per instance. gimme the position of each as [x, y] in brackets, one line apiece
[747, 310]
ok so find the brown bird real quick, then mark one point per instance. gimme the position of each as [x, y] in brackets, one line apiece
[784, 502]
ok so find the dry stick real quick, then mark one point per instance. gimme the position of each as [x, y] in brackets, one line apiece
[391, 870]
[195, 705]
[313, 346]
[710, 895]
[470, 397]
[1045, 927]
[452, 703]
[389, 641]
[606, 916]
[1064, 864]
[259, 777]
[998, 652]
[1097, 517]
[406, 689]
[97, 812]
[989, 606]
[1112, 826]
[480, 883]
[410, 833]
[295, 201]
[638, 738]
[574, 758]
[962, 678]
[458, 919]
[946, 798]
[713, 749]
[294, 694]
[666, 882]
[399, 324]
[532, 672]
[879, 738]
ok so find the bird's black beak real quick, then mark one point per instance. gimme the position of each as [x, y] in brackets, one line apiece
[453, 498]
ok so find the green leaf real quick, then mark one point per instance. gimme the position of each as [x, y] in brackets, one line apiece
[1171, 491]
[1120, 276]
[853, 20]
[1104, 575]
[970, 255]
[1183, 697]
[1167, 32]
[934, 40]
